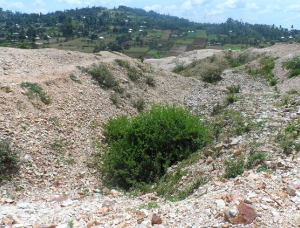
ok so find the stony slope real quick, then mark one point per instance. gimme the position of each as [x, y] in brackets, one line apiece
[55, 186]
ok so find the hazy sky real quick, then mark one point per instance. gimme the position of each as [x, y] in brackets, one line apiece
[278, 12]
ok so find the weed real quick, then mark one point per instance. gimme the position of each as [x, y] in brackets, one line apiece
[273, 82]
[115, 100]
[56, 121]
[132, 73]
[139, 104]
[74, 78]
[35, 90]
[178, 68]
[71, 224]
[234, 89]
[149, 205]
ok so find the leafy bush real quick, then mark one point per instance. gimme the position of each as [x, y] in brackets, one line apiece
[102, 75]
[8, 159]
[142, 148]
[273, 82]
[233, 168]
[293, 65]
[35, 90]
[178, 68]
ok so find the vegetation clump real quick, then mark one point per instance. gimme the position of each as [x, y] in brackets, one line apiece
[9, 161]
[293, 65]
[142, 148]
[132, 72]
[102, 75]
[35, 90]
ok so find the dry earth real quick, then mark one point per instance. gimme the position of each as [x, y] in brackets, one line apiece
[54, 187]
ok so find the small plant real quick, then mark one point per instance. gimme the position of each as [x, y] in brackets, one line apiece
[217, 109]
[115, 100]
[9, 159]
[139, 104]
[149, 205]
[71, 224]
[56, 121]
[35, 90]
[234, 89]
[231, 98]
[74, 78]
[233, 168]
[132, 73]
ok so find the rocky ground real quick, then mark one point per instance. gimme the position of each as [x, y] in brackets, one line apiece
[54, 187]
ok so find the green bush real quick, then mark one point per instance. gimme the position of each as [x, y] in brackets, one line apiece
[142, 148]
[132, 72]
[255, 159]
[273, 82]
[8, 159]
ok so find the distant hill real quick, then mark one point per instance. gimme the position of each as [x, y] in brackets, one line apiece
[135, 32]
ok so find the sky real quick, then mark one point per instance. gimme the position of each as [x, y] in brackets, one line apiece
[279, 12]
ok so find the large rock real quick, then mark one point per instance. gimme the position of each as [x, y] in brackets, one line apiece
[246, 214]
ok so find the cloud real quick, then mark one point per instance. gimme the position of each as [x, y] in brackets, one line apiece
[232, 4]
[293, 7]
[154, 7]
[70, 2]
[39, 3]
[270, 9]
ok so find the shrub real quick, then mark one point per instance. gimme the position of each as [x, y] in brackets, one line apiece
[178, 68]
[35, 90]
[142, 148]
[212, 75]
[102, 75]
[8, 159]
[74, 78]
[132, 72]
[233, 168]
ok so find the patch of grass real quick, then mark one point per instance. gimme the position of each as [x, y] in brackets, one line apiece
[273, 82]
[178, 68]
[33, 90]
[56, 121]
[9, 159]
[293, 65]
[142, 148]
[149, 205]
[212, 75]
